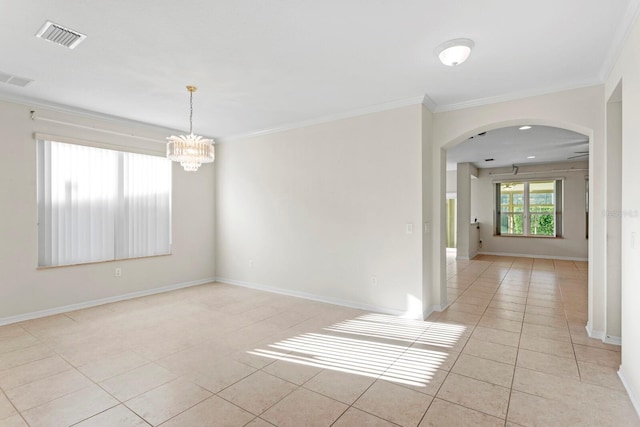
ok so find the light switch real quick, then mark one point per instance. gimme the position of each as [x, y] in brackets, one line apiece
[409, 228]
[427, 227]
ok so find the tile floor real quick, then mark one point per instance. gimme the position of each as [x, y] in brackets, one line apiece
[510, 350]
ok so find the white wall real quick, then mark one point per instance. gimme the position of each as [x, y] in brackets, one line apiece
[26, 289]
[318, 211]
[452, 181]
[614, 219]
[627, 70]
[572, 245]
[580, 110]
[465, 172]
[430, 295]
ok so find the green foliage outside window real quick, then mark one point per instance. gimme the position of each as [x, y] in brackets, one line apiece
[540, 208]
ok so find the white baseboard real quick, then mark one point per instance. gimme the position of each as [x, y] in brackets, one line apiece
[562, 258]
[609, 339]
[432, 309]
[633, 395]
[602, 336]
[320, 298]
[594, 334]
[93, 303]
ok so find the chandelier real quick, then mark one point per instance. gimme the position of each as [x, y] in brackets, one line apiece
[190, 150]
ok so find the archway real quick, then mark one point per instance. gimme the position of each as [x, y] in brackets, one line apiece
[596, 310]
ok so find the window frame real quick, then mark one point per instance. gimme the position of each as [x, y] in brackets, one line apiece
[526, 213]
[121, 151]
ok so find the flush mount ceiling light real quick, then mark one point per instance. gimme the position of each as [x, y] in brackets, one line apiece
[524, 127]
[531, 157]
[190, 150]
[454, 52]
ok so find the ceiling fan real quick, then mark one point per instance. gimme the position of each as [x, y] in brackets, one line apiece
[579, 154]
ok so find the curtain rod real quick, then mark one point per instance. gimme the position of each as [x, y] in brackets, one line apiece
[112, 132]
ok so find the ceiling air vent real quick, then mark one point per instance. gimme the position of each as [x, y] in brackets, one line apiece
[14, 80]
[60, 35]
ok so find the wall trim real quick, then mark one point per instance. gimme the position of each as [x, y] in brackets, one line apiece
[608, 339]
[515, 96]
[599, 335]
[330, 118]
[563, 258]
[101, 301]
[83, 113]
[633, 396]
[620, 37]
[319, 298]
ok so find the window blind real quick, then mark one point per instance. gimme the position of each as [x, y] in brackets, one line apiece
[96, 204]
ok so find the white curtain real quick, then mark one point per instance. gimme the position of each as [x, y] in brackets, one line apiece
[96, 204]
[144, 217]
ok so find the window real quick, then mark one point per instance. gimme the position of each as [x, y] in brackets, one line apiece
[529, 208]
[96, 204]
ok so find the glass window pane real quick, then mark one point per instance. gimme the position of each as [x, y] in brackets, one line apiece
[542, 225]
[511, 223]
[541, 208]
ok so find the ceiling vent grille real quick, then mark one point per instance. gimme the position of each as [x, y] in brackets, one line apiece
[60, 35]
[14, 80]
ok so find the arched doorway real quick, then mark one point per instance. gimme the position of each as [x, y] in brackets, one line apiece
[452, 128]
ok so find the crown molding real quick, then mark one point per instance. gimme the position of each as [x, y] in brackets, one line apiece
[514, 96]
[80, 112]
[622, 34]
[429, 103]
[326, 119]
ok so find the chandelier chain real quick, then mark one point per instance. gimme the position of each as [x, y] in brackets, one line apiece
[190, 112]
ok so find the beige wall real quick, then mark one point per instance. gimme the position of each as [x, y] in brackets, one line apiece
[627, 70]
[572, 245]
[25, 289]
[319, 211]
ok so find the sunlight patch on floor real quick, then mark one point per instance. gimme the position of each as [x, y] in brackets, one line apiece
[372, 345]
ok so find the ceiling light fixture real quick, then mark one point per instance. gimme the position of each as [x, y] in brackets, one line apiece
[525, 127]
[531, 157]
[454, 52]
[190, 150]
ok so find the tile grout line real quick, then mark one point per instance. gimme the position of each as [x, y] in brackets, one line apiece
[513, 378]
[14, 407]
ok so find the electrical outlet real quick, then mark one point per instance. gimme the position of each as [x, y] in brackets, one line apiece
[374, 281]
[409, 228]
[118, 272]
[250, 263]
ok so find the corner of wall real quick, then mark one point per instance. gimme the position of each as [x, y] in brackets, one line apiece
[633, 394]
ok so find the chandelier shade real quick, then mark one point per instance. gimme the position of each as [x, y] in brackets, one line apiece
[190, 150]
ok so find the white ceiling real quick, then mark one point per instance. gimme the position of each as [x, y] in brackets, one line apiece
[510, 145]
[268, 64]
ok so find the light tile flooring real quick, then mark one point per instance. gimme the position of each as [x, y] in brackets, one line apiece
[510, 350]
